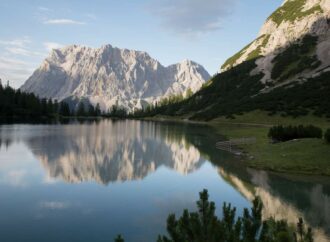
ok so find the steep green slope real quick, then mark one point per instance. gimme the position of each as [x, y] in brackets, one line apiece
[236, 91]
[293, 10]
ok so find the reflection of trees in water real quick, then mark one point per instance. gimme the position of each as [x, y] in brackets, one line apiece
[110, 151]
[114, 151]
[274, 191]
[5, 137]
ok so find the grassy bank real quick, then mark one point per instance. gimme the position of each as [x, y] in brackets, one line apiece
[307, 156]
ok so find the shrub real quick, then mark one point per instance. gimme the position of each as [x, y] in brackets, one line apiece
[204, 226]
[281, 133]
[327, 136]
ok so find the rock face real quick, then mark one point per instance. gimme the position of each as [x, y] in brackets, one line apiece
[290, 23]
[111, 76]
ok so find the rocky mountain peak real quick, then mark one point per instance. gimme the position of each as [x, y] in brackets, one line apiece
[112, 77]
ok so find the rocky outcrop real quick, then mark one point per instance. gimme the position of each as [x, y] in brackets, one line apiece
[289, 24]
[112, 76]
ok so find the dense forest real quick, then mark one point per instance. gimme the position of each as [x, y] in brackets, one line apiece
[204, 225]
[236, 91]
[15, 104]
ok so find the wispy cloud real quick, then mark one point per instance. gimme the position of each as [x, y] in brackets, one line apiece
[44, 9]
[191, 17]
[63, 21]
[15, 70]
[52, 45]
[19, 46]
[23, 51]
[20, 42]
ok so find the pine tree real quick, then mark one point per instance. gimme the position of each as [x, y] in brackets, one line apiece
[97, 110]
[64, 109]
[81, 111]
[119, 239]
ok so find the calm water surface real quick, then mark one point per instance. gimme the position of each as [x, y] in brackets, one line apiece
[92, 181]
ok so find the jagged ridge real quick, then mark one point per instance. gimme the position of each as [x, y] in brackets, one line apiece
[112, 76]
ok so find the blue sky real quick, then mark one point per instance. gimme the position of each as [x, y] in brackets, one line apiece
[206, 31]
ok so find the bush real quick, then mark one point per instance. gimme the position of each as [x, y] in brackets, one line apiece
[327, 136]
[281, 133]
[204, 226]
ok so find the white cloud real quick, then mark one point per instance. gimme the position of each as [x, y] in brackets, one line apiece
[43, 9]
[23, 51]
[20, 42]
[191, 17]
[63, 22]
[18, 60]
[52, 45]
[54, 205]
[15, 70]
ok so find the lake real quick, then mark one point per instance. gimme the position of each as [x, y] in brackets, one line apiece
[91, 181]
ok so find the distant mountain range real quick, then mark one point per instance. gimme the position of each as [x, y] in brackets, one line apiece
[285, 70]
[111, 76]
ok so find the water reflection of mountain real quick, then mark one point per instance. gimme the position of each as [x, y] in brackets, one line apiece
[284, 199]
[113, 151]
[128, 150]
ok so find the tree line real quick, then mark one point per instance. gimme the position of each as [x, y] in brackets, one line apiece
[164, 106]
[17, 104]
[285, 133]
[327, 136]
[205, 226]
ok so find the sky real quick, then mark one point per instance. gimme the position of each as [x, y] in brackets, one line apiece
[205, 31]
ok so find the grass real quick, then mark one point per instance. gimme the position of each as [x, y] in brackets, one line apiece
[292, 11]
[257, 52]
[232, 60]
[305, 156]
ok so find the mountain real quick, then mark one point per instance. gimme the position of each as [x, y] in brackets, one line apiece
[112, 76]
[285, 70]
[304, 23]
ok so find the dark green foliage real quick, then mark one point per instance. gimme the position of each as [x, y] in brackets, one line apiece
[117, 112]
[296, 58]
[17, 104]
[223, 96]
[286, 133]
[64, 109]
[81, 110]
[236, 92]
[327, 135]
[97, 111]
[165, 106]
[204, 226]
[119, 239]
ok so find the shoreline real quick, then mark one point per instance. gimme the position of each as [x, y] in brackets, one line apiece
[286, 163]
[306, 157]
